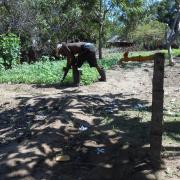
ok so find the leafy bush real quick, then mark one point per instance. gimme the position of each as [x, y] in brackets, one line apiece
[50, 72]
[89, 75]
[149, 35]
[9, 50]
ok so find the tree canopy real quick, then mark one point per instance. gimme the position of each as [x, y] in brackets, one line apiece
[42, 23]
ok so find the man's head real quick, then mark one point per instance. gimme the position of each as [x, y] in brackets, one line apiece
[58, 50]
[63, 50]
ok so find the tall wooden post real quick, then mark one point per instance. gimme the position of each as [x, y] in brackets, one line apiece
[157, 110]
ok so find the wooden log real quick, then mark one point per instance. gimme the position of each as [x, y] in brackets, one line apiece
[137, 58]
[157, 110]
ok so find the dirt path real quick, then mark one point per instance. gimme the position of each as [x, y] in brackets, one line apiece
[38, 123]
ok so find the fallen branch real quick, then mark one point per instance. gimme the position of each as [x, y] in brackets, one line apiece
[136, 58]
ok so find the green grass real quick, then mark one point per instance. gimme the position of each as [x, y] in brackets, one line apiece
[40, 73]
[50, 72]
[176, 52]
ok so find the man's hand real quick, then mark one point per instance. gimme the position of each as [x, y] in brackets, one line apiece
[66, 70]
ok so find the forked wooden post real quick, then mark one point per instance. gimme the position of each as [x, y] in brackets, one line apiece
[157, 110]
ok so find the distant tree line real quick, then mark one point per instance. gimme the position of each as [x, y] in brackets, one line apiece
[41, 24]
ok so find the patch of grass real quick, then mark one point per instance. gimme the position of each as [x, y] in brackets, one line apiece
[50, 72]
[89, 75]
[108, 62]
[39, 73]
[141, 53]
[175, 52]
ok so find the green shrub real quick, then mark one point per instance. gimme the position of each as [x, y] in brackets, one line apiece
[50, 72]
[149, 35]
[9, 50]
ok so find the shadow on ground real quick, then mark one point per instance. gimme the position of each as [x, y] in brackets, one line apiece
[114, 146]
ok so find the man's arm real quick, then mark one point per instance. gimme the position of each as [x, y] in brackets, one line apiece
[70, 60]
[66, 52]
[66, 70]
[71, 63]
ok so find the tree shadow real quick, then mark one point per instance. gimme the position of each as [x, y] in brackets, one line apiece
[61, 86]
[114, 145]
[172, 130]
[133, 65]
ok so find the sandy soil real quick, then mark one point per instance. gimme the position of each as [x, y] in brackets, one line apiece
[39, 123]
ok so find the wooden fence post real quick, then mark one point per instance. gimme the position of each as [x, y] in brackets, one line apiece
[157, 110]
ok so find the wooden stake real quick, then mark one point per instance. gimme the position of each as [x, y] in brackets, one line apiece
[157, 110]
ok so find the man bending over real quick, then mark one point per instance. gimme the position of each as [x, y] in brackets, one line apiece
[84, 51]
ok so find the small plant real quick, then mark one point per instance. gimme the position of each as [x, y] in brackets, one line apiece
[89, 75]
[9, 50]
[44, 58]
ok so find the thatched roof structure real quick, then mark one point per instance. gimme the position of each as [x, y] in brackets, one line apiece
[118, 42]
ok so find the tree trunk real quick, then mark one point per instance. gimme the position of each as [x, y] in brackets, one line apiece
[157, 111]
[171, 61]
[172, 35]
[100, 40]
[100, 30]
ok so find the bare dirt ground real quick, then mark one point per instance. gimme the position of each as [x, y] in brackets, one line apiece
[39, 123]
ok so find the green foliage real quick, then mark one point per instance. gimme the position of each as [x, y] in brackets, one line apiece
[166, 11]
[47, 22]
[46, 72]
[49, 72]
[131, 15]
[149, 34]
[9, 50]
[89, 75]
[109, 61]
[175, 52]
